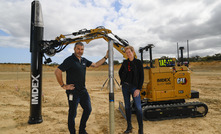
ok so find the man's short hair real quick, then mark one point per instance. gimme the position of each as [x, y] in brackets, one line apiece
[79, 43]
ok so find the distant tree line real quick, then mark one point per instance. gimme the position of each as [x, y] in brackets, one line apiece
[16, 63]
[53, 64]
[197, 58]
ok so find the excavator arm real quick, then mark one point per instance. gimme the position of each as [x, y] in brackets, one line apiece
[52, 47]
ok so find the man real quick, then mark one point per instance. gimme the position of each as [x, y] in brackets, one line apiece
[75, 67]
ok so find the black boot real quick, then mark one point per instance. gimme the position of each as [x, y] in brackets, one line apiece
[129, 129]
[140, 131]
[82, 132]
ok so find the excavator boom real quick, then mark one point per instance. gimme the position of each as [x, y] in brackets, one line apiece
[54, 46]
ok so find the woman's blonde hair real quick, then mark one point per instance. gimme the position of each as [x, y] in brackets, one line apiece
[129, 47]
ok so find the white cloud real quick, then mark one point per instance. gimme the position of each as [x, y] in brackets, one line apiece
[11, 41]
[159, 22]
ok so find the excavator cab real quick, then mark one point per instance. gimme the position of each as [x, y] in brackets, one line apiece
[164, 80]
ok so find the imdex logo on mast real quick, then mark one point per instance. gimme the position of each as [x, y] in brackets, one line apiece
[35, 89]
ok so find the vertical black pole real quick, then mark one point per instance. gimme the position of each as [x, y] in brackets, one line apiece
[151, 60]
[37, 29]
[188, 52]
[181, 53]
[141, 52]
[178, 52]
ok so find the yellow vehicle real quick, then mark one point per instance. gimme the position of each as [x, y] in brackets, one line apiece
[166, 85]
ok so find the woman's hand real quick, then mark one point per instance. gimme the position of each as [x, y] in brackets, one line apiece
[136, 93]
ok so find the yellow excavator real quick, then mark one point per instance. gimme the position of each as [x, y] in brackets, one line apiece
[166, 85]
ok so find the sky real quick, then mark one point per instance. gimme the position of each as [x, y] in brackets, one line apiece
[163, 23]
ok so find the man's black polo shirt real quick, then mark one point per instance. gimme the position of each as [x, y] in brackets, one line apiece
[75, 71]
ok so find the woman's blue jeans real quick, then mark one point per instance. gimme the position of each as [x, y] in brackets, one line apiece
[128, 90]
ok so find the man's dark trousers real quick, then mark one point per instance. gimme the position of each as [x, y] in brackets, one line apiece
[83, 98]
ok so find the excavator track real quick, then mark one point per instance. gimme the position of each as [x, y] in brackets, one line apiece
[173, 111]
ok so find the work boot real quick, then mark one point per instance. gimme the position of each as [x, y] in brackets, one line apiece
[129, 129]
[73, 132]
[82, 132]
[140, 131]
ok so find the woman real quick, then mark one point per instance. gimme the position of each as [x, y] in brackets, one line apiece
[132, 77]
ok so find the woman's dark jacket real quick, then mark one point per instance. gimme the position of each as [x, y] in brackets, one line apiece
[137, 70]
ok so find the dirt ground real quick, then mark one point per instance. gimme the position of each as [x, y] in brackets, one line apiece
[15, 103]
